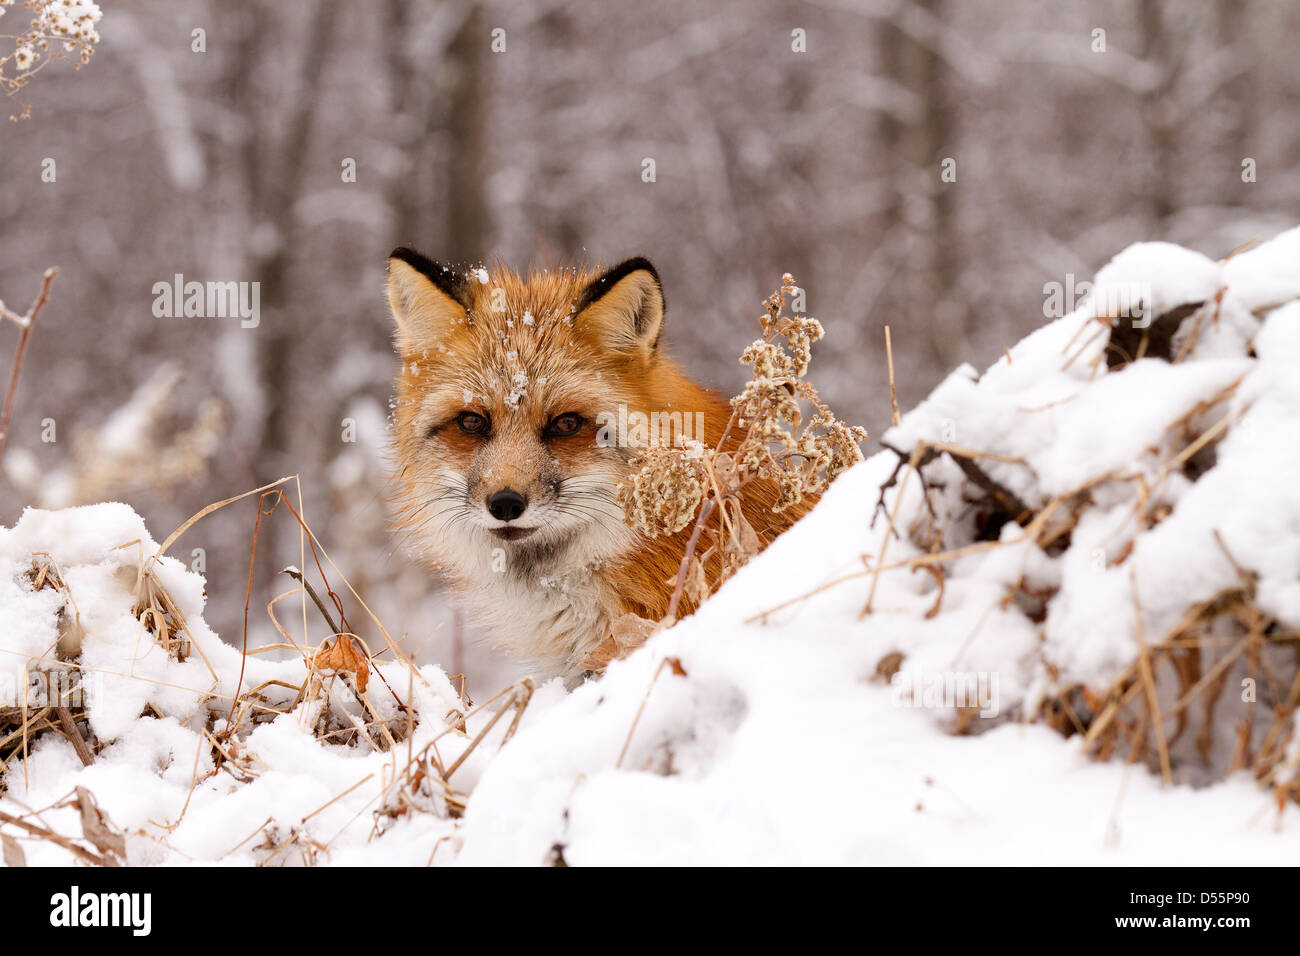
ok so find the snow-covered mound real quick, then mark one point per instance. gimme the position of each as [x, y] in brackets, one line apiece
[1090, 551]
[295, 782]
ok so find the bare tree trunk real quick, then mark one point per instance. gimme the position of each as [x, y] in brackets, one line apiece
[563, 234]
[795, 254]
[948, 343]
[282, 188]
[1162, 135]
[417, 107]
[469, 229]
[925, 224]
[272, 173]
[1239, 96]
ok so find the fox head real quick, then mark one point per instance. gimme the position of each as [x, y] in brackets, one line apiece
[506, 382]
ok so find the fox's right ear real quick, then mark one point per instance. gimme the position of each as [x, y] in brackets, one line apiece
[427, 299]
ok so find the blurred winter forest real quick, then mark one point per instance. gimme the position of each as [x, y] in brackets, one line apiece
[807, 137]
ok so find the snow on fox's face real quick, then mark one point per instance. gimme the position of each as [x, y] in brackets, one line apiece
[503, 380]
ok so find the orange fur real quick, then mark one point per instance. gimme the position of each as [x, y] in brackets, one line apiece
[518, 350]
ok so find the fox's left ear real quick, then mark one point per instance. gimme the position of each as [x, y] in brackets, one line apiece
[625, 307]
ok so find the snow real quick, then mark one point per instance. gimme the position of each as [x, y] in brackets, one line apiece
[763, 729]
[1160, 275]
[1266, 276]
[785, 750]
[518, 389]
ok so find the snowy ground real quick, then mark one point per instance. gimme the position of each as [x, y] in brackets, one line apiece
[773, 738]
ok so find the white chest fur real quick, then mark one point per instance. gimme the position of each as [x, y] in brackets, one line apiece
[555, 619]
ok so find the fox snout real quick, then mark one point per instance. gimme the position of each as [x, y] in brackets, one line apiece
[510, 506]
[506, 504]
[510, 495]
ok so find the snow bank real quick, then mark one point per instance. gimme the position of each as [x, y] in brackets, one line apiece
[280, 792]
[1072, 508]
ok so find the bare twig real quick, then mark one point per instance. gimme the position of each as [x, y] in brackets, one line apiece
[69, 727]
[75, 849]
[680, 585]
[25, 323]
[1149, 681]
[675, 666]
[311, 593]
[893, 517]
[893, 397]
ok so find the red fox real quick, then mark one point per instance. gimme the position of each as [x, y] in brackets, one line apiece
[511, 388]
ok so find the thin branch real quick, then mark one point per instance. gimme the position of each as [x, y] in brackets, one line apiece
[69, 727]
[1147, 674]
[25, 323]
[680, 584]
[895, 418]
[42, 833]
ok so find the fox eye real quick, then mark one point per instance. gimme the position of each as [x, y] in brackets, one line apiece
[472, 423]
[562, 426]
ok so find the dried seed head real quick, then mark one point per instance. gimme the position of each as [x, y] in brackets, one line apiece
[664, 494]
[775, 443]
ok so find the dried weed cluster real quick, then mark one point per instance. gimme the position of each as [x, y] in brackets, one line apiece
[767, 438]
[55, 30]
[801, 461]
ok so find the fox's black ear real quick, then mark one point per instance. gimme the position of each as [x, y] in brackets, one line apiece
[625, 306]
[426, 299]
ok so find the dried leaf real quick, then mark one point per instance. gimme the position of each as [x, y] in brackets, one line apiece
[343, 654]
[889, 665]
[626, 634]
[724, 468]
[71, 635]
[675, 663]
[13, 853]
[631, 630]
[697, 585]
[744, 541]
[600, 656]
[936, 572]
[96, 828]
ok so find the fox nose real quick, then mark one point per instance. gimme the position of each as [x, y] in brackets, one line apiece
[506, 505]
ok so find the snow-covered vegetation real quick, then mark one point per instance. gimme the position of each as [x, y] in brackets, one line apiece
[1053, 621]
